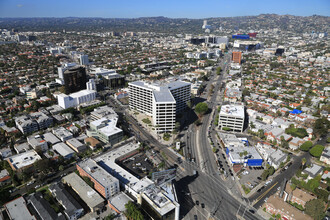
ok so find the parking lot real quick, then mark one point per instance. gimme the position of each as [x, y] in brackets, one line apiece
[139, 165]
[250, 176]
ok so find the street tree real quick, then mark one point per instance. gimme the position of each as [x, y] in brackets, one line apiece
[201, 108]
[315, 208]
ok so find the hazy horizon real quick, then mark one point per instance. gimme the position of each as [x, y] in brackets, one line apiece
[192, 9]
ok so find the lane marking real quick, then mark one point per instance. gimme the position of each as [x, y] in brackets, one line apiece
[262, 195]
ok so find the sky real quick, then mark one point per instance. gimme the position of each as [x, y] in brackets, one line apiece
[166, 8]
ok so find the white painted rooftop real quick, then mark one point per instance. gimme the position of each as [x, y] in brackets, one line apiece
[232, 110]
[24, 159]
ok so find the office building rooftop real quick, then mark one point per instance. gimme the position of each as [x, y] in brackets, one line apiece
[232, 110]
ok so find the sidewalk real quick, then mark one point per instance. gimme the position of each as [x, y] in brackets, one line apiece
[150, 128]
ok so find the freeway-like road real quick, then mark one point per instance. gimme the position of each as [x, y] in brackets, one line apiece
[208, 188]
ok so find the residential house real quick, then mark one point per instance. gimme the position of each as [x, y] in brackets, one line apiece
[277, 158]
[43, 208]
[4, 177]
[37, 143]
[325, 157]
[5, 152]
[72, 209]
[295, 143]
[274, 134]
[312, 171]
[21, 148]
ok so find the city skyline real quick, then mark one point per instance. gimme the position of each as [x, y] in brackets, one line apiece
[172, 9]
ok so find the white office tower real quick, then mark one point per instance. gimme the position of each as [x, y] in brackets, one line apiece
[232, 117]
[90, 85]
[83, 59]
[204, 24]
[160, 100]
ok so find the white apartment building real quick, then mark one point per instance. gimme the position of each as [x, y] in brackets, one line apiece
[232, 116]
[160, 100]
[33, 122]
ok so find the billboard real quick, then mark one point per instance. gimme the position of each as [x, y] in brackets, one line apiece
[164, 176]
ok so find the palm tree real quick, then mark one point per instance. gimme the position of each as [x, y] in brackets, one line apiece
[303, 162]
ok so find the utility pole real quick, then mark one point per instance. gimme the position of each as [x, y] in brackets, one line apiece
[216, 207]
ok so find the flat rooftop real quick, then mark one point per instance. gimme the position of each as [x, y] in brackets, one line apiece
[107, 126]
[164, 95]
[18, 210]
[24, 159]
[63, 149]
[156, 85]
[119, 201]
[82, 93]
[159, 200]
[85, 192]
[107, 161]
[232, 110]
[252, 153]
[97, 172]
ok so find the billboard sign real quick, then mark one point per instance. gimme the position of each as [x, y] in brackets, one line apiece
[164, 176]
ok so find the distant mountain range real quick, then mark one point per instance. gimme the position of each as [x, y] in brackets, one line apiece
[170, 25]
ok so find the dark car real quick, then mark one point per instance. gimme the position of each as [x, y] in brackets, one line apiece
[202, 205]
[252, 211]
[197, 202]
[195, 217]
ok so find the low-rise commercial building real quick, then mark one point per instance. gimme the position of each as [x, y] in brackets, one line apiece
[244, 155]
[92, 199]
[104, 182]
[75, 99]
[76, 145]
[232, 117]
[103, 112]
[63, 150]
[106, 130]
